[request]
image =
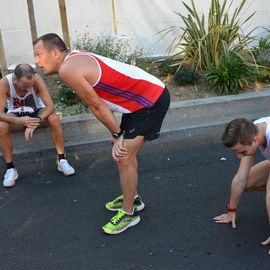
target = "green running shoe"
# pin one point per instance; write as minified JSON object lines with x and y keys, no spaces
{"x":117,"y":204}
{"x":120,"y":222}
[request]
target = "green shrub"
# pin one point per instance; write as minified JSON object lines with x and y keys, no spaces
{"x":186,"y":75}
{"x":203,"y":41}
{"x":71,"y":110}
{"x":263,"y":57}
{"x":264,"y":43}
{"x":67,"y":96}
{"x":167,"y":67}
{"x":114,"y":47}
{"x":263,"y":75}
{"x":230,"y":75}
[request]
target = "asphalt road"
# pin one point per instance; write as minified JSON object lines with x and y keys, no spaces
{"x":52,"y":222}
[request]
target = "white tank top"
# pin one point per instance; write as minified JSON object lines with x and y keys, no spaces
{"x":265,"y":150}
{"x":16,"y":104}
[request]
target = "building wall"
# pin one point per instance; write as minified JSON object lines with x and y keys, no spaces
{"x":140,"y":20}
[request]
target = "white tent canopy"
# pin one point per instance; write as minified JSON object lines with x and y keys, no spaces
{"x":139,"y":20}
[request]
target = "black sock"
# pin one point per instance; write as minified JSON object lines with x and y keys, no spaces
{"x":10,"y":165}
{"x":61,"y":156}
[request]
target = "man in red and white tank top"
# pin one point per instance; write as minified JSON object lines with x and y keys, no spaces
{"x":108,"y":86}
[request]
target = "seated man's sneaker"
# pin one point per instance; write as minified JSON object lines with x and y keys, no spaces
{"x":117,"y":204}
{"x":120,"y":222}
{"x":10,"y":177}
{"x":64,"y":167}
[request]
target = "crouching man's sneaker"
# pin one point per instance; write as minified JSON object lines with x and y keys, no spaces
{"x":10,"y":177}
{"x":120,"y":222}
{"x":64,"y":167}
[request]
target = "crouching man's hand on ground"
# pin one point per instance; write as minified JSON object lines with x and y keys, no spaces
{"x":266,"y":242}
{"x":229,"y":217}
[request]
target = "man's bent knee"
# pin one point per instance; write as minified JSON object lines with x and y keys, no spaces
{"x":53,"y":120}
{"x":124,"y":162}
{"x":4,"y":128}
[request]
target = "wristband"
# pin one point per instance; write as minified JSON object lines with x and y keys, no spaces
{"x":229,"y":209}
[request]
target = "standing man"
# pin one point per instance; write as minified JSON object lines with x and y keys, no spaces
{"x":244,"y":138}
{"x":29,"y":105}
{"x":106,"y":85}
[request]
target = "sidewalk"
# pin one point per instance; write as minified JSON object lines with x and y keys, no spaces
{"x":185,"y":122}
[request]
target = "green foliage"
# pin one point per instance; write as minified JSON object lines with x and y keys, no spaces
{"x":264,"y":43}
{"x":263,"y":75}
{"x":75,"y":109}
{"x":114,"y":47}
{"x":203,"y":44}
{"x":263,"y":57}
{"x":167,"y":67}
{"x":262,"y":52}
{"x":67,"y":96}
{"x":186,"y":75}
{"x":230,"y":75}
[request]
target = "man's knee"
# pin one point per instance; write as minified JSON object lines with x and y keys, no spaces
{"x":4,"y":128}
{"x":124,"y":162}
{"x":53,"y":120}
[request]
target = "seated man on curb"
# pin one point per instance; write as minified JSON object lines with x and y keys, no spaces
{"x":244,"y":138}
{"x":29,"y":105}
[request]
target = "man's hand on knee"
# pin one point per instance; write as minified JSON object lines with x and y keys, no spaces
{"x":118,"y":150}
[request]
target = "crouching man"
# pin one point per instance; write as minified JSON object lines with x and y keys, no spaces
{"x":244,"y":138}
{"x":25,"y":103}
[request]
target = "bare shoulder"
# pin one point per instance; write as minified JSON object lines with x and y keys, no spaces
{"x":4,"y":86}
{"x":79,"y":66}
{"x":67,"y":67}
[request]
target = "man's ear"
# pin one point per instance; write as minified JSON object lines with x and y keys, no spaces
{"x":56,"y":54}
{"x":255,"y":139}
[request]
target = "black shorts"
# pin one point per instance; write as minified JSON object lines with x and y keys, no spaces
{"x":147,"y":121}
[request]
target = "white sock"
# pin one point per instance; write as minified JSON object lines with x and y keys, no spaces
{"x":130,"y":213}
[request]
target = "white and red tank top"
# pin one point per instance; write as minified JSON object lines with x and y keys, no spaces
{"x":124,"y":88}
{"x":16,"y":104}
{"x":265,"y":150}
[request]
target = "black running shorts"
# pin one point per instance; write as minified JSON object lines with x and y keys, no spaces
{"x":147,"y":121}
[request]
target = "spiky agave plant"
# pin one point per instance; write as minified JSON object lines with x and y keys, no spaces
{"x":203,"y":43}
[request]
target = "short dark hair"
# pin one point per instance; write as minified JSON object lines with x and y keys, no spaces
{"x":24,"y":70}
{"x":240,"y":131}
{"x":52,"y":41}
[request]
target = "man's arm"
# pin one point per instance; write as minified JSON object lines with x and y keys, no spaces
{"x":80,"y":74}
{"x":239,"y":182}
{"x":238,"y":186}
{"x":43,"y":93}
{"x":4,"y":89}
{"x":76,"y":74}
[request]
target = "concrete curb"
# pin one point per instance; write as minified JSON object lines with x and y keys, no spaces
{"x":186,"y":121}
